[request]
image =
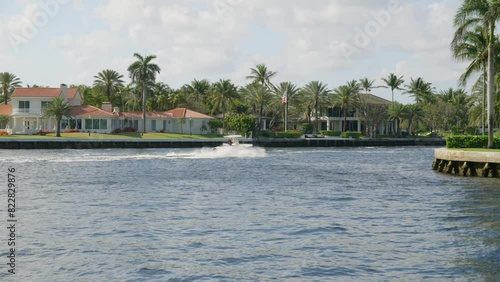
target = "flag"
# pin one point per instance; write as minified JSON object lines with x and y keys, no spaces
{"x":284,"y":100}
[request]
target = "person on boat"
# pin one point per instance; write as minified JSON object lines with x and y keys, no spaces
{"x":229,"y":142}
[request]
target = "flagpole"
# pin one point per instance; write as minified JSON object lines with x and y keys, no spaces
{"x":286,"y":116}
{"x":285,"y":102}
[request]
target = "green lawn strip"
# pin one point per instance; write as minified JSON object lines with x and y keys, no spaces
{"x":124,"y":136}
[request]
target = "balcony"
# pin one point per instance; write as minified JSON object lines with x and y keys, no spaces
{"x":27,"y":112}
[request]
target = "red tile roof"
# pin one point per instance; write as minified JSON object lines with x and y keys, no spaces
{"x":85,"y":111}
{"x":72,"y":93}
{"x":187,"y":113}
{"x":37,"y":92}
{"x":148,"y":115}
{"x":5,"y":109}
{"x":43,"y":92}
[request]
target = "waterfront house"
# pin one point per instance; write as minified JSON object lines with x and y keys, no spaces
{"x":27,"y":105}
{"x":332,"y":118}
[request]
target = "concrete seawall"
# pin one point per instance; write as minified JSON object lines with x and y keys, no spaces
{"x":466,"y":163}
{"x":199,"y":143}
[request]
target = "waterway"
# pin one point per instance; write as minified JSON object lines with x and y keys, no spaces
{"x":329,"y":214}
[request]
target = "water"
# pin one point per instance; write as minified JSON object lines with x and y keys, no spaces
{"x":358,"y":214}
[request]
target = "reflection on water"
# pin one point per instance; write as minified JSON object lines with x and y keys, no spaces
{"x":354,"y":214}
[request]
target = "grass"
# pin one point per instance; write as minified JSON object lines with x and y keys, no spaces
{"x":128,"y":135}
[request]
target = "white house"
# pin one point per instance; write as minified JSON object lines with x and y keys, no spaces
{"x":27,"y":105}
{"x":333,"y":118}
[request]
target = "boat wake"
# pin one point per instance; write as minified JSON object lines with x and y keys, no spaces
{"x":223,"y":152}
{"x":237,"y":151}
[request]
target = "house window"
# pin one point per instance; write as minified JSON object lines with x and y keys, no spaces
{"x":96,"y":124}
{"x":103,"y":124}
{"x":45,"y":104}
{"x":24,"y":106}
{"x":165,"y":125}
{"x":88,"y":124}
{"x":75,"y":123}
{"x":64,"y":124}
{"x":153,"y":125}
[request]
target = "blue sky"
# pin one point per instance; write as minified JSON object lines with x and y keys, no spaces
{"x":328,"y":40}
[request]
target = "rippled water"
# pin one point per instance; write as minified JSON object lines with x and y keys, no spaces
{"x":358,"y":214}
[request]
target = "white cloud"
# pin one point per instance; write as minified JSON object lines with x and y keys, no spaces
{"x":223,"y":38}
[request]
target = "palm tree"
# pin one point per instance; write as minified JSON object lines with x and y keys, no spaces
{"x":346,"y":97}
{"x":223,"y":92}
{"x":413,"y":113}
{"x":397,"y":113}
{"x":109,"y":81}
{"x":58,"y":109}
{"x":4,"y":120}
{"x":366,"y":84}
{"x":486,"y":13}
{"x":317,"y":92}
{"x":142,"y":72}
{"x":262,"y":75}
{"x":394,"y":83}
{"x":421,"y":90}
{"x":182,"y":121}
{"x":9,"y":82}
{"x":197,"y":92}
{"x":259,"y":96}
{"x":288,"y":90}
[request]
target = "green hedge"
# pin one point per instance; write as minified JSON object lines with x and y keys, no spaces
{"x":470,"y":141}
{"x":307,"y":128}
{"x":330,"y":133}
{"x":267,"y":133}
{"x":349,"y":134}
{"x":288,"y":134}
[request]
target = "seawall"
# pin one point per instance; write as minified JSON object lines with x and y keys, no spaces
{"x":55,"y":143}
{"x":467,"y":163}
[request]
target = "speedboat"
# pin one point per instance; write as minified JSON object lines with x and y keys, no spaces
{"x":234,"y":140}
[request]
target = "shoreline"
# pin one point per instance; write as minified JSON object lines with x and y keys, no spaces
{"x":53,"y":143}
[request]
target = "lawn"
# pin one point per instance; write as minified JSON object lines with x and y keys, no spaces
{"x":128,"y":135}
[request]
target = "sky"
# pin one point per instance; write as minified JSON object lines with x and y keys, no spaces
{"x":49,"y":42}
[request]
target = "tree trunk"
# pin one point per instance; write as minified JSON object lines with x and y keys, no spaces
{"x":316,"y":121}
{"x":345,"y":119}
{"x":144,"y":106}
{"x":485,"y":62}
{"x":223,"y":117}
{"x":58,"y":129}
{"x":261,"y":110}
{"x":491,"y":91}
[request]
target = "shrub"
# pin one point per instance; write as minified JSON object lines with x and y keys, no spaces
{"x":470,"y":141}
{"x":71,"y":131}
{"x":330,"y":133}
{"x":3,"y":133}
{"x":349,"y":134}
{"x":215,"y":124}
{"x":288,"y":134}
{"x":43,"y":132}
{"x":116,"y":131}
{"x":129,"y":129}
{"x":307,"y":128}
{"x":241,"y":124}
{"x":267,"y":133}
